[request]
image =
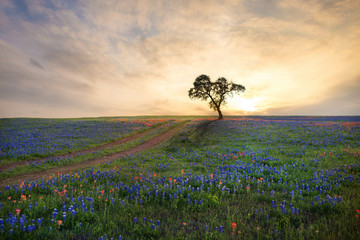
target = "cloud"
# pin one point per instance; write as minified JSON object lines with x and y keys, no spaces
{"x":26,"y":81}
{"x":35,"y":63}
{"x":340,"y":99}
{"x":129,"y":56}
{"x":78,"y":63}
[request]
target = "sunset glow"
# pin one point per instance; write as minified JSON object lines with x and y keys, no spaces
{"x":117,"y":58}
{"x":247,"y":105}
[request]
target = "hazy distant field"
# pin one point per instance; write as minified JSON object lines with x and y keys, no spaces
{"x":238,"y":178}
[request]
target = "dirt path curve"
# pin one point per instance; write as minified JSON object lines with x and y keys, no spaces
{"x":65,"y":169}
{"x":83,"y":151}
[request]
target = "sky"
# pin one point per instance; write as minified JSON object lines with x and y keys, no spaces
{"x":90,"y":58}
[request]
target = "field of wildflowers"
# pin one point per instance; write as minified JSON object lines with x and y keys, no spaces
{"x":33,"y":138}
{"x":239,"y":178}
{"x":160,"y":126}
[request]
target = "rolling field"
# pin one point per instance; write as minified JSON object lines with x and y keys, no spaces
{"x":238,"y":178}
{"x":32,"y":138}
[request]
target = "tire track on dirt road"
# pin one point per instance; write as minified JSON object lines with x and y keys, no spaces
{"x":65,"y":169}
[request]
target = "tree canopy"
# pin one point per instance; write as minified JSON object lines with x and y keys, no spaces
{"x":217,"y":91}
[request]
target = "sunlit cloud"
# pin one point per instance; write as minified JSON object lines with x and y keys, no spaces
{"x":94,"y":58}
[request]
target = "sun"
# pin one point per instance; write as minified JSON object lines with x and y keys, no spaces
{"x":247,"y":104}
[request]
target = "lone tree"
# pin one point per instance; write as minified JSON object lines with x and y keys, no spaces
{"x":217,"y":91}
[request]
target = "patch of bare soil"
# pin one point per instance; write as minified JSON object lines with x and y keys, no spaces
{"x":65,"y":169}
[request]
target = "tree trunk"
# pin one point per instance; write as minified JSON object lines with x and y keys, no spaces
{"x":220,"y":113}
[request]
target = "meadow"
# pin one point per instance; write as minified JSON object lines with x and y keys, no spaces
{"x":33,"y":138}
{"x":238,"y":178}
